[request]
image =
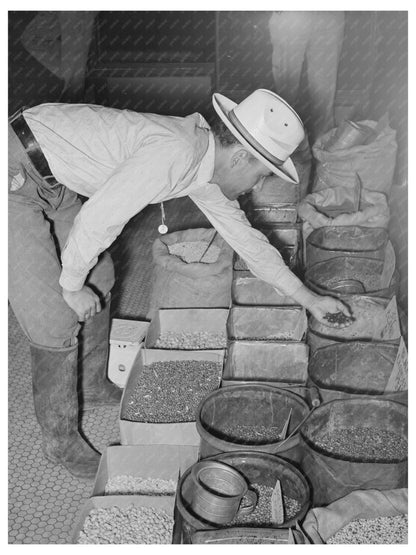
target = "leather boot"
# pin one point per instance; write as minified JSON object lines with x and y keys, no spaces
{"x":95,"y":389}
{"x":54,"y":377}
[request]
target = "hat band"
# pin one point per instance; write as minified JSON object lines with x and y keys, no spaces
{"x":253,"y":142}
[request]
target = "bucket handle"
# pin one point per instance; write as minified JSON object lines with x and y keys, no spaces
{"x":313,"y":391}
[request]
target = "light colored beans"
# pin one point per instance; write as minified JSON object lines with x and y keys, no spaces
{"x":132,"y":524}
{"x":191,"y":340}
{"x":191,"y":251}
{"x":380,"y":530}
{"x":124,"y":484}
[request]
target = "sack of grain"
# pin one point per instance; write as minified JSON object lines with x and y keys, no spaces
{"x":359,"y":509}
{"x":186,"y":277}
{"x":374,"y":162}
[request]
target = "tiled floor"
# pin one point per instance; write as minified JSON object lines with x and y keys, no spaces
{"x":44,"y":499}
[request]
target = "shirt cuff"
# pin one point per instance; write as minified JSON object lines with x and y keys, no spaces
{"x":71,"y":283}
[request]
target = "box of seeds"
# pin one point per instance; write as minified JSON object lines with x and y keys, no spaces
{"x":142,"y":469}
{"x":188,"y":329}
{"x":127,"y":519}
{"x":267,"y":323}
{"x":247,"y":289}
{"x":287,"y":240}
{"x":275,"y":363}
{"x":162,"y":394}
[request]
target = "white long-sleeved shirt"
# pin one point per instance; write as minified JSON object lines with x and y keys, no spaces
{"x":123,"y":161}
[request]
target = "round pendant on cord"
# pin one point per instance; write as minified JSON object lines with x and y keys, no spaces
{"x":163,"y":229}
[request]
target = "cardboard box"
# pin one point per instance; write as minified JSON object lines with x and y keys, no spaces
{"x":126,"y":339}
{"x":275,"y":189}
{"x":284,"y":363}
{"x":175,"y":433}
{"x":278,"y":323}
{"x":248,"y":290}
{"x":176,"y":320}
{"x":165,"y":462}
{"x":166,"y":502}
{"x":273,"y":213}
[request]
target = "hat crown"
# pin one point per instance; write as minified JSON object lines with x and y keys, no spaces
{"x":271,"y":121}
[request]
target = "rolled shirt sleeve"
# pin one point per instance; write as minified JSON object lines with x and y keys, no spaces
{"x":148,"y":177}
{"x":262,"y":259}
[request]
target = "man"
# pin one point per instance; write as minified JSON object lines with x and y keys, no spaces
{"x":60,"y":282}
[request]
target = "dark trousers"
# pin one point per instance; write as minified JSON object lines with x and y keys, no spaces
{"x":40,"y":219}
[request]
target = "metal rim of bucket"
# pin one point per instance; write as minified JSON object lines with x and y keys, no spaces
{"x":320,"y":232}
{"x":354,"y":400}
{"x":202,"y":430}
{"x":195,"y":523}
{"x":386,"y":292}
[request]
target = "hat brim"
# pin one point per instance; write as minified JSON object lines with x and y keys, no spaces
{"x":223,"y":106}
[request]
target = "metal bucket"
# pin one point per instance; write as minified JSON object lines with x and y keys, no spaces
{"x":229,"y":418}
{"x":332,"y":475}
{"x":345,"y":370}
{"x":256,"y":467}
{"x":345,"y":275}
{"x":217,"y":492}
{"x":325,"y":243}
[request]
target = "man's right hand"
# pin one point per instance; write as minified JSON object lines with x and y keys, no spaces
{"x":84,"y":302}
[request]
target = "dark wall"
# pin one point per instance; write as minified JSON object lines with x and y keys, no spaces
{"x":30,"y":83}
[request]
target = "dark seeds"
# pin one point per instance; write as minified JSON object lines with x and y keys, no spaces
{"x":170,"y":391}
{"x":338,"y":318}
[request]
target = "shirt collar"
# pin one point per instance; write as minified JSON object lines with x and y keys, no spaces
{"x":206,"y":167}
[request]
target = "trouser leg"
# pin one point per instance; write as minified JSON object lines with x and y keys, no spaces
{"x":322,"y":59}
{"x":93,"y":338}
{"x":289,"y":33}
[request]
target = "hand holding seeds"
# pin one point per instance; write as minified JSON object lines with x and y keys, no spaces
{"x":331,"y":312}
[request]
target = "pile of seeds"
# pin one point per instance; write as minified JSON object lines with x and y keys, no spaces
{"x":243,"y":433}
{"x":191,"y":340}
{"x":240,"y":264}
{"x":124,"y":484}
{"x":132,"y":524}
{"x":338,"y":318}
{"x":358,"y":443}
{"x":380,"y":530}
{"x":262,"y":514}
{"x":289,"y":336}
{"x":369,"y":319}
{"x":171,"y":390}
{"x":191,"y":251}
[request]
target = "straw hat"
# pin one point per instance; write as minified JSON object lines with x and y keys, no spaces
{"x":267,"y":126}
